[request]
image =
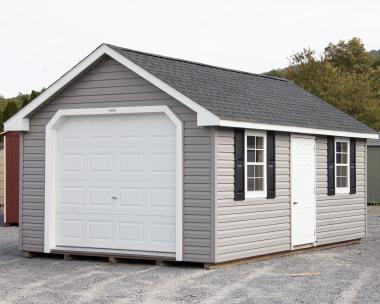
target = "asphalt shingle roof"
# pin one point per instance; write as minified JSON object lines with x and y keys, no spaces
{"x":242,"y":96}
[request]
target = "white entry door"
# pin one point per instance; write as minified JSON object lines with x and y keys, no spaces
{"x":303,"y":190}
{"x":116,"y":182}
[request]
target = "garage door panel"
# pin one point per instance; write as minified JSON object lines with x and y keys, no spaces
{"x":132,"y":126}
{"x":70,"y":230}
{"x":162,"y":127}
{"x":116,"y":182}
{"x":71,"y":163}
{"x":162,"y":163}
{"x":100,"y":162}
{"x":117,"y":178}
{"x":101,"y":128}
{"x":71,"y":195}
{"x":76,"y":129}
{"x":162,"y":143}
{"x":162,"y":198}
{"x":131,"y":196}
{"x":129,"y":164}
{"x":100,"y":196}
{"x":136,"y":197}
{"x":131,"y":232}
{"x":132,"y":163}
{"x":100,"y":230}
{"x":162,"y":234}
{"x":117,"y":232}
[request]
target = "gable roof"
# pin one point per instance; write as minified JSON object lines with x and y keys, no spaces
{"x":242,"y":96}
{"x":220,"y":96}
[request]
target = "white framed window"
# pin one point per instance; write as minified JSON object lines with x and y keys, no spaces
{"x":255,"y":164}
{"x":342,"y":165}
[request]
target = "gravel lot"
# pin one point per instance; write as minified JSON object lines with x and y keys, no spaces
{"x":347,"y":275}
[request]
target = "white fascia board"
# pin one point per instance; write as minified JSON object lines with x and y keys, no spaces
{"x":19,"y":122}
{"x":290,"y":129}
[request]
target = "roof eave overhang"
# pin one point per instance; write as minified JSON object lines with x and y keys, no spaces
{"x":292,"y":129}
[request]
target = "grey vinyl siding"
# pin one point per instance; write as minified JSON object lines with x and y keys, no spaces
{"x":340,"y":217}
{"x":373,"y":174}
{"x":260,"y":226}
{"x":253,"y":226}
{"x":109,"y":84}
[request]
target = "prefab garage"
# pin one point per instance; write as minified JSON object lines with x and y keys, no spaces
{"x":135,"y":154}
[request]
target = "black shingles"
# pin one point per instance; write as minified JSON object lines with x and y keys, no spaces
{"x":241,"y":96}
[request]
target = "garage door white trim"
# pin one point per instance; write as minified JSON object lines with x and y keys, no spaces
{"x":51,"y":167}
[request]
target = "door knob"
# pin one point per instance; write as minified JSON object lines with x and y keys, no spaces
{"x":295,"y":203}
{"x":114,"y":197}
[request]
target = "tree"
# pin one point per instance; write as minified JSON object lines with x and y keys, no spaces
{"x":7,"y":111}
{"x":24,"y":98}
{"x":28,"y":98}
{"x":9,"y":106}
{"x":10,"y":109}
{"x":345,"y":75}
{"x":349,"y":56}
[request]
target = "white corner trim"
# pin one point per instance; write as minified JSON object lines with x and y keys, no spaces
{"x":19,"y":122}
{"x":290,"y":129}
{"x":51,"y":170}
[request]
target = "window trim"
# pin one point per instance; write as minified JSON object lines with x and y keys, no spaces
{"x":255,"y":194}
{"x":342,"y":190}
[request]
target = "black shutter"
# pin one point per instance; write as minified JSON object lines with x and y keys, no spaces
{"x":271,"y":165}
{"x":239,"y":165}
{"x":352,"y":165}
{"x":330,"y":165}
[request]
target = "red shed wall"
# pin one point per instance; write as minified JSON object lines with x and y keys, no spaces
{"x":12,"y":169}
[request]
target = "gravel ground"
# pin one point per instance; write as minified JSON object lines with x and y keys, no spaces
{"x":346,"y":275}
{"x":373,"y":210}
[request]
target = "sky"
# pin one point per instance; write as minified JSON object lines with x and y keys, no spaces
{"x":40,"y":40}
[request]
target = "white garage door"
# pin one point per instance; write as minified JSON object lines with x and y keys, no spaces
{"x":116,"y":182}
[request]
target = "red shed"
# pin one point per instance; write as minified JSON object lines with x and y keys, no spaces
{"x":11,"y":178}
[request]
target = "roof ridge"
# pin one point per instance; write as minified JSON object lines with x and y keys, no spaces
{"x":197,"y":63}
